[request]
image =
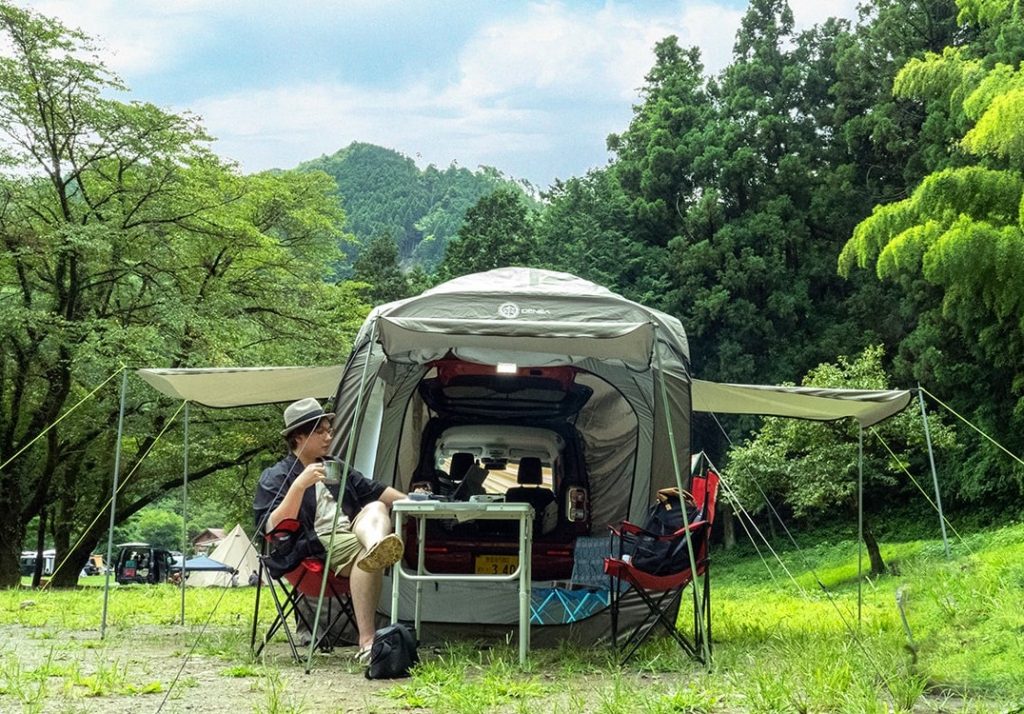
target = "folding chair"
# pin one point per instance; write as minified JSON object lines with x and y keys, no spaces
{"x":663,"y":593}
{"x":291,"y":590}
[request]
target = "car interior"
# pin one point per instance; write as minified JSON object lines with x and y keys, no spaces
{"x":503,"y":437}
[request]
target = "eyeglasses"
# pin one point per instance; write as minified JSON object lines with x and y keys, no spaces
{"x":324,"y":429}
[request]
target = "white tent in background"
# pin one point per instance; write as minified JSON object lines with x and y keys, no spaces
{"x":236,"y":551}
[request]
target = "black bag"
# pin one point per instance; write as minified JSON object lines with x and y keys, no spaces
{"x":288,"y":545}
{"x":665,"y":517}
{"x":393,"y":653}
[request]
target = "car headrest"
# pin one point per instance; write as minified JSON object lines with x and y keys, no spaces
{"x":461,"y":462}
{"x":529,"y":471}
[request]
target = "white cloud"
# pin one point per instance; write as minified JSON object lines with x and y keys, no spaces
{"x":807,"y":13}
{"x":531,"y":93}
{"x":523,"y":89}
{"x":146,"y":37}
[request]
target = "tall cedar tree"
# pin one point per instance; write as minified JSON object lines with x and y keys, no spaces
{"x":498,"y":232}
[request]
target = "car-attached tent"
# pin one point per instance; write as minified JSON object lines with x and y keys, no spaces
{"x":532,"y":318}
{"x":635,"y":427}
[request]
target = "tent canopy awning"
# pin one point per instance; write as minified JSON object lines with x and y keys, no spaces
{"x":247,"y":386}
{"x":244,"y":386}
{"x":866,"y":406}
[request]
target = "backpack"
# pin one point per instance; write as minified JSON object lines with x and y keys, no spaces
{"x":393,"y":653}
{"x":665,"y":517}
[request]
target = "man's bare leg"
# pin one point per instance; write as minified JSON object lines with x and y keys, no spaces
{"x":365,"y":589}
{"x":372,"y":528}
{"x":372,"y":524}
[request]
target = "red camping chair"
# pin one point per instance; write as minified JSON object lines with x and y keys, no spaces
{"x":663,"y":593}
{"x":302,"y":583}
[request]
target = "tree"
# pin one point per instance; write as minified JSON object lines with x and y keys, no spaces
{"x":812,"y":468}
{"x":124,"y":241}
{"x":962,"y":231}
{"x":377,"y":266}
{"x":384,"y":193}
{"x":498,"y":232}
{"x":586,"y":230}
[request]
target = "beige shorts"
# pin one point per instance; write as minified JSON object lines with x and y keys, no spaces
{"x":346,"y":547}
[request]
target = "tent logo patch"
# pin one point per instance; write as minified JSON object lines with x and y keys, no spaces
{"x":508,"y":310}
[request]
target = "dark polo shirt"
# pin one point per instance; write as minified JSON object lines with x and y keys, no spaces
{"x":274,"y":484}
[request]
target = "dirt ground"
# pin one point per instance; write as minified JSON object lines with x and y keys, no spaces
{"x":78,"y":672}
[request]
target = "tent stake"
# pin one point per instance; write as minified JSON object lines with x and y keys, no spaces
{"x":935,"y":477}
{"x":113,"y":503}
{"x":184,"y":517}
{"x":860,"y":515}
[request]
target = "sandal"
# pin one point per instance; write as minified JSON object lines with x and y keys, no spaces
{"x":385,"y":552}
{"x":363,"y":656}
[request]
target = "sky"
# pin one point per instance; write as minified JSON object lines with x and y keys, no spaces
{"x":530,"y":88}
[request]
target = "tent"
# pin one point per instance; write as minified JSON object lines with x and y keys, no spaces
{"x":636,"y":425}
{"x":237,"y":553}
{"x":206,"y":564}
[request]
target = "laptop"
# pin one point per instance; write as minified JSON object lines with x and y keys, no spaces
{"x":472,"y":484}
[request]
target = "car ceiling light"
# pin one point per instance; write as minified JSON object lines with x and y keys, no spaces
{"x":507,"y":368}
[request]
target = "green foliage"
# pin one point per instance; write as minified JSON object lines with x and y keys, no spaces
{"x":812,"y":468}
{"x":962,"y":230}
{"x":377,"y":266}
{"x":385,"y":194}
{"x":125,"y":241}
{"x":156,"y":526}
{"x":498,"y":232}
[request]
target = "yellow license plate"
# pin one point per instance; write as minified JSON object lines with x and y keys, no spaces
{"x":496,"y":564}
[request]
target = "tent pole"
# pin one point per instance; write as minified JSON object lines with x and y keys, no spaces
{"x":935,"y":477}
{"x":184,"y":517}
{"x":113,"y":503}
{"x":860,"y":516}
{"x":698,"y":609}
{"x":346,"y":467}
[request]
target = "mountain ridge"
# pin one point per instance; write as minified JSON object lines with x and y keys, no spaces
{"x":384,"y":192}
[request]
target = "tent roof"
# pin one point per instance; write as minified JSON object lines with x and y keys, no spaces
{"x":244,"y":386}
{"x":866,"y":406}
{"x":523,"y":315}
{"x":205,"y":563}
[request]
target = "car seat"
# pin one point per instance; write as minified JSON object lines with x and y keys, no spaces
{"x":530,"y":490}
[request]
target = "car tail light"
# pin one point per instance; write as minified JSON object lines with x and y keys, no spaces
{"x":577,"y":505}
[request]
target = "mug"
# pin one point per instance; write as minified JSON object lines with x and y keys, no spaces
{"x":332,"y":472}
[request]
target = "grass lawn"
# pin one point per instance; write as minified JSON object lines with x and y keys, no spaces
{"x":780,"y":644}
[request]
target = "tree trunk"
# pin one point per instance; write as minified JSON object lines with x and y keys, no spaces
{"x":66,"y":576}
{"x":874,"y":554}
{"x":11,"y":532}
{"x":37,"y":572}
{"x":728,"y":526}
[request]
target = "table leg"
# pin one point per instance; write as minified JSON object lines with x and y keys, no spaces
{"x":525,"y":578}
{"x":421,"y":527}
{"x":396,"y":574}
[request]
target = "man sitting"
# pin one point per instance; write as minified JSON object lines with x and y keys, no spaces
{"x":363,"y":544}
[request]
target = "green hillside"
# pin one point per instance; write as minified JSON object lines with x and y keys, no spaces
{"x":384,"y":193}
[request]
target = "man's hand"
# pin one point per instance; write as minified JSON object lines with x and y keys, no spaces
{"x":312,"y":474}
{"x":292,"y":502}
